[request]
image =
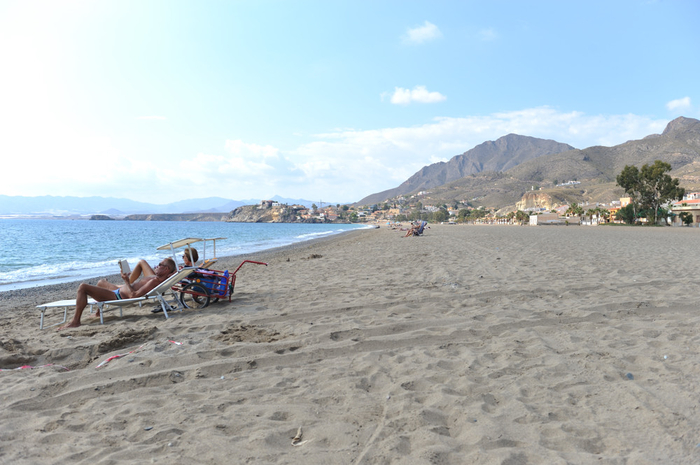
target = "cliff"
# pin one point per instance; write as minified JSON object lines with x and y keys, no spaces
{"x":263,"y":214}
{"x":535,"y":199}
{"x":268,"y":213}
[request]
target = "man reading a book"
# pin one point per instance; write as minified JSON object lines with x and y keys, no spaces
{"x":105,"y":291}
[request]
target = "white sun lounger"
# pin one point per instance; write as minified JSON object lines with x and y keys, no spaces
{"x":157,"y":293}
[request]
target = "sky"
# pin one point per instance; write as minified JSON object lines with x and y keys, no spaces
{"x":331,"y":101}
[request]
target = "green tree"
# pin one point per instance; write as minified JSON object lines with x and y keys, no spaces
{"x":650,"y":187}
{"x":626,"y":214}
{"x":602,"y":214}
{"x":686,"y":217}
{"x":590,"y":213}
{"x":522,"y":216}
{"x":476,"y":214}
{"x":440,"y":216}
{"x":314,"y":208}
{"x":353,"y":217}
{"x":575,"y":210}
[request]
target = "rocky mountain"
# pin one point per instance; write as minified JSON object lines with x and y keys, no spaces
{"x":594,"y":168}
{"x":678,"y":145}
{"x":500,"y":155}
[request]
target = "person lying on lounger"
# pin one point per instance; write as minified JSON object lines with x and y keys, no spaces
{"x":105,"y":291}
{"x":143,"y":268}
{"x":416,"y":229}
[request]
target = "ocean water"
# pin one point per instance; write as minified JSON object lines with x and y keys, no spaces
{"x":41,"y":252}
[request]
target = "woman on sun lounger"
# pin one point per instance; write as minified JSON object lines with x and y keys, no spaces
{"x":142,"y":267}
{"x":106,"y":291}
{"x":416,"y":229}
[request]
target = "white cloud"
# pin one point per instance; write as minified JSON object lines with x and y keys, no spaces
{"x":488,"y":35}
{"x":679,"y":104}
{"x":340,"y":166}
{"x":240,"y":148}
{"x":244,"y":164}
{"x":418,"y":35}
{"x":419,"y":94}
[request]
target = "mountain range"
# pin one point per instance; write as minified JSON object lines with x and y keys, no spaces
{"x":48,"y":205}
{"x":494,"y":174}
{"x":497,"y":174}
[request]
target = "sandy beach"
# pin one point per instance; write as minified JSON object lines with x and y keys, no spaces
{"x":472,"y":344}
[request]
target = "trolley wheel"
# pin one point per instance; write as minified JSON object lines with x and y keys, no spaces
{"x":194,"y":295}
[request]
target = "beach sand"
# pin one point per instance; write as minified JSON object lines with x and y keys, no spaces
{"x":471,"y":344}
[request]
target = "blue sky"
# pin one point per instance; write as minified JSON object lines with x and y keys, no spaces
{"x":161,"y":101}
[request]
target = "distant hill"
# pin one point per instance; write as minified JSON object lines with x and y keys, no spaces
{"x":596,"y":168}
{"x":500,"y":155}
{"x":49,"y":205}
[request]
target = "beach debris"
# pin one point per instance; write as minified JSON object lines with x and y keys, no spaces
{"x":148,"y":428}
{"x":104,"y":362}
{"x":314,"y":255}
{"x":665,"y":357}
{"x":629,"y":376}
{"x":29,"y":367}
{"x":296,"y":440}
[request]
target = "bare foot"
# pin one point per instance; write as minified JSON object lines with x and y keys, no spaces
{"x":69,"y":325}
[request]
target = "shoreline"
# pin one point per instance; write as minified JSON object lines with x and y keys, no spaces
{"x":23,"y":291}
{"x":64,"y":290}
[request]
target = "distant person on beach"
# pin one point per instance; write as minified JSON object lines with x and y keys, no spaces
{"x":416,"y":229}
{"x":143,"y":268}
{"x":105,"y":291}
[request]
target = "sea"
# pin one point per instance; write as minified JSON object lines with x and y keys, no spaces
{"x":39,"y":252}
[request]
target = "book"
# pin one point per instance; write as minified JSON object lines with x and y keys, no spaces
{"x":124,"y":266}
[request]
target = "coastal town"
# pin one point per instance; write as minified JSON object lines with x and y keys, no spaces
{"x":534,"y":209}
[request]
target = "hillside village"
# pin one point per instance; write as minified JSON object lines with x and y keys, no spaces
{"x":535,"y":208}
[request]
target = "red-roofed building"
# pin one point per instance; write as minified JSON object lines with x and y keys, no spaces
{"x":690,"y":204}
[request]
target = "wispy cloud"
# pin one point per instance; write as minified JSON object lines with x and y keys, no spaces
{"x":488,"y":35}
{"x":418,"y":35}
{"x":254,"y":151}
{"x":679,"y":104}
{"x":345,"y":164}
{"x":152,"y":117}
{"x":419,"y":94}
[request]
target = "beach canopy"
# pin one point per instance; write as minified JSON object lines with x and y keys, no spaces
{"x":189,"y":241}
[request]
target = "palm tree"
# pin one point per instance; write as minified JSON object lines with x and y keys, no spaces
{"x":590,"y":213}
{"x":575,"y":210}
{"x":522,"y":217}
